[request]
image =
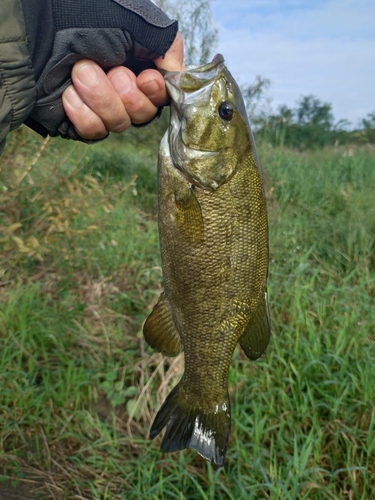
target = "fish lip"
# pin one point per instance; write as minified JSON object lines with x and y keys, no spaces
{"x":183,"y":154}
{"x":196,"y":152}
{"x":201,"y":75}
{"x":199,"y":153}
{"x":217,"y":61}
{"x":194,"y":77}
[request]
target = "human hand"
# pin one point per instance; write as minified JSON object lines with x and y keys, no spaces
{"x":118,"y":39}
{"x":97,"y":103}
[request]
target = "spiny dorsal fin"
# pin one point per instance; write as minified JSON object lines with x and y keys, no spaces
{"x":254,"y":340}
{"x":160,"y":330}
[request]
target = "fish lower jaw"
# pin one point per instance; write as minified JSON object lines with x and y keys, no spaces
{"x":196,"y":154}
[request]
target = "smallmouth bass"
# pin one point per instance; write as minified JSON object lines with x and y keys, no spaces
{"x":214,"y":246}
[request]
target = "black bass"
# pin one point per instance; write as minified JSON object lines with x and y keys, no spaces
{"x":214,"y":247}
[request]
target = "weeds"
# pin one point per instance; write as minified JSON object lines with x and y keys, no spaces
{"x":80,"y":271}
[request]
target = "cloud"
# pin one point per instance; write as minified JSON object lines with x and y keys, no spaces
{"x":325,"y":48}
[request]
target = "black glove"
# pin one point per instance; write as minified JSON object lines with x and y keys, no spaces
{"x":110,"y":32}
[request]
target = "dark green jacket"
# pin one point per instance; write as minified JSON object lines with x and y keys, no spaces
{"x":17,"y":84}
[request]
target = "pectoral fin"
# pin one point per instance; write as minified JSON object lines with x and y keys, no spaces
{"x":160,"y":330}
{"x":254,"y":340}
{"x":188,"y":215}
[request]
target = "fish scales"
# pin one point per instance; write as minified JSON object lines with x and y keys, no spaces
{"x":214,"y":248}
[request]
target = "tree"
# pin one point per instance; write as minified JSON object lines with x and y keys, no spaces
{"x":368,"y":125}
{"x":273,"y":127}
{"x":312,"y":112}
{"x":256,"y":101}
{"x":309,"y":125}
{"x":196,"y":26}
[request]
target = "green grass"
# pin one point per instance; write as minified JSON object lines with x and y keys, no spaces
{"x":79,"y":387}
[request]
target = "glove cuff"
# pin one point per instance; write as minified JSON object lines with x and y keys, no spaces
{"x":38,"y":19}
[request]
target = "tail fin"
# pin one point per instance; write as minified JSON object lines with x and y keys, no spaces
{"x":205,"y":430}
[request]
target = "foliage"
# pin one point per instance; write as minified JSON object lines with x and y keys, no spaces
{"x":255,"y":97}
{"x":79,"y":387}
{"x":196,"y":26}
{"x":307,"y":125}
{"x":310,"y":125}
{"x":368,"y":125}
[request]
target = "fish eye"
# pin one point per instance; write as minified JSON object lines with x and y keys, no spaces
{"x":226,"y":110}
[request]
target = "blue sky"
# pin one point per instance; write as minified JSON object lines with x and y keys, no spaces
{"x":320,"y":47}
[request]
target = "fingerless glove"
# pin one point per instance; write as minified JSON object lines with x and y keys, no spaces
{"x":109,"y":32}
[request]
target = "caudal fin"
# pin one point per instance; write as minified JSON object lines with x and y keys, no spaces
{"x":204,"y":429}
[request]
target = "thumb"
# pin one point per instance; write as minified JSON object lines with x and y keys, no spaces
{"x":173,"y":60}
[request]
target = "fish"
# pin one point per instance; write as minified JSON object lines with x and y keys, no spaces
{"x":213,"y":233}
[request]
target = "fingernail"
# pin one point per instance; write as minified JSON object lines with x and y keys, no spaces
{"x":72,"y":98}
{"x":121,"y":82}
{"x":87,"y":75}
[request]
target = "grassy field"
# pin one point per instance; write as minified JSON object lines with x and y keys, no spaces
{"x":80,"y":271}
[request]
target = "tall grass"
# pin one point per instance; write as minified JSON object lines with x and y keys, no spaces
{"x":79,"y":272}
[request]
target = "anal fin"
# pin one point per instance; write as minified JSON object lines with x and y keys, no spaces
{"x":160,"y":331}
{"x":255,"y":339}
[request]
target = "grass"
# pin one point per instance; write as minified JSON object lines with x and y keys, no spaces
{"x":79,"y":272}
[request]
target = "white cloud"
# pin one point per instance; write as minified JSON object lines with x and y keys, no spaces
{"x":324,"y":48}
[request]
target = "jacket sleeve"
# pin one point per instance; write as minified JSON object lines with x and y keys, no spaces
{"x":17,"y":84}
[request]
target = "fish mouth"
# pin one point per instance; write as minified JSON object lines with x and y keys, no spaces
{"x":182,"y":155}
{"x":193,"y":78}
{"x":190,"y":87}
{"x":194,"y":153}
{"x":196,"y":77}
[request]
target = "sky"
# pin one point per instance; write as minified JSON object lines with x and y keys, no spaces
{"x":321,"y":47}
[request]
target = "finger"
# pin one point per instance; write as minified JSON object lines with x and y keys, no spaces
{"x":173,"y":59}
{"x":151,"y":83}
{"x":98,"y":93}
{"x":138,"y":106}
{"x":87,"y":123}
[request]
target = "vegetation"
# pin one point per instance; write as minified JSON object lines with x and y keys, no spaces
{"x":196,"y":26}
{"x":309,"y":125}
{"x":80,"y":271}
